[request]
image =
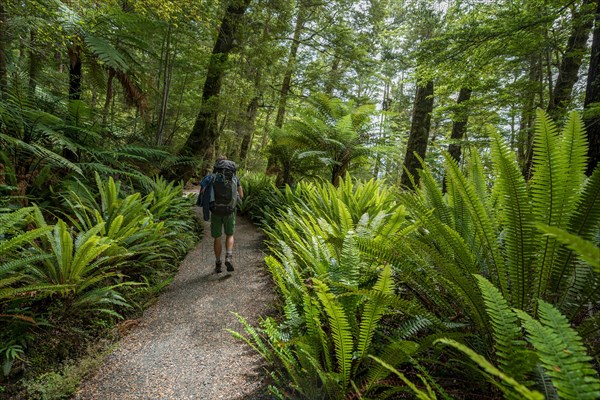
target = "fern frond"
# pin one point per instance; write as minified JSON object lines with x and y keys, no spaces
{"x":492,"y":370}
{"x":511,"y":351}
{"x":374,"y":309}
{"x":340,"y":331}
{"x":486,"y":231}
{"x":548,"y":193}
{"x":583,"y":248}
{"x":420,"y":394}
{"x":517,"y":221}
{"x":562,"y":353}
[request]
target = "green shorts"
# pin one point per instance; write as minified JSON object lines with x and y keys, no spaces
{"x":217,"y":222}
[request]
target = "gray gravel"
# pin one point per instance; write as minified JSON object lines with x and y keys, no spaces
{"x":180,"y":349}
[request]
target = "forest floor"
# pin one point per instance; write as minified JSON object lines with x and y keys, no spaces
{"x":179,"y":348}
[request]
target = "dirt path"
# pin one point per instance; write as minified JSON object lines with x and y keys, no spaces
{"x":180,"y":349}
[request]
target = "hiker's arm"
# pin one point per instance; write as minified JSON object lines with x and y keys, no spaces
{"x":240,"y":192}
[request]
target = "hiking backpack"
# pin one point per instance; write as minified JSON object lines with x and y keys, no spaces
{"x":224,"y":187}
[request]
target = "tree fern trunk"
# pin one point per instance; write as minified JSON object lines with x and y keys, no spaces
{"x":592,"y":96}
{"x":419,"y":133}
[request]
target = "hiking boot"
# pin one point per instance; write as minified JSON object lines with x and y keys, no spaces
{"x":218,"y":267}
{"x":228,"y":264}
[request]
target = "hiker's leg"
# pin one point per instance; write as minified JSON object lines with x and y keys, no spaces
{"x":229,"y":244}
{"x":229,"y":225}
{"x":216,"y":230}
{"x":218,"y":248}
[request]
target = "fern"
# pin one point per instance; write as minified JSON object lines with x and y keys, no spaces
{"x":518,"y":225}
{"x":484,"y":227}
{"x":583,"y":248}
{"x":374,"y":309}
{"x":511,"y":351}
{"x":340,"y":331}
{"x":492,"y":370}
{"x":562,"y":353}
{"x":420,"y":394}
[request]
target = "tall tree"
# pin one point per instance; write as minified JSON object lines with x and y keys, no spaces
{"x":289,"y":70}
{"x":3,"y":49}
{"x":206,"y":130}
{"x":459,"y":125}
{"x":569,"y":66}
{"x":419,"y":133}
{"x":592,"y":98}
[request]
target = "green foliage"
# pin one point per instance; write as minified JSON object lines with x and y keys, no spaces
{"x":562,"y":353}
{"x":327,"y":132}
{"x":492,"y":370}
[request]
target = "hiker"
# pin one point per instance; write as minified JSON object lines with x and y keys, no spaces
{"x":220,"y":191}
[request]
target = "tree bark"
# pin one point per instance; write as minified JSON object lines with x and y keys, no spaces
{"x":3,"y":51}
{"x":286,"y":84}
{"x":166,"y":87}
{"x":419,"y":134}
{"x":34,"y":63}
{"x":459,"y":125}
{"x":109,"y":95}
{"x":248,"y":127}
{"x":289,"y":70}
{"x":526,"y":130}
{"x":592,"y":97}
{"x":569,"y":66}
{"x":205,"y":131}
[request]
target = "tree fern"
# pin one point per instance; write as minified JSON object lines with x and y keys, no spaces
{"x":562,"y":353}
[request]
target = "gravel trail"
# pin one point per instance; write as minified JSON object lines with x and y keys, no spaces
{"x":180,"y":349}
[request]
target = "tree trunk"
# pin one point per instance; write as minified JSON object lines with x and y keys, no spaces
{"x":592,"y":97}
{"x":459,"y":124}
{"x":34,"y":63}
{"x":248,"y":128}
{"x":205,"y":131}
{"x":272,"y":167}
{"x":109,"y":95}
{"x":289,"y":70}
{"x":3,"y":51}
{"x":569,"y":66}
{"x":458,"y":127}
{"x":74,"y":72}
{"x":166,"y":87}
{"x":526,"y":129}
{"x":334,"y":75}
{"x":419,"y":134}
